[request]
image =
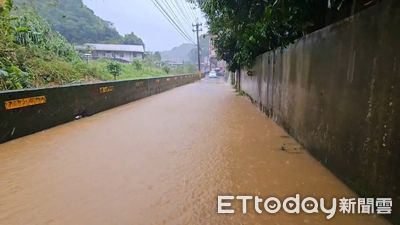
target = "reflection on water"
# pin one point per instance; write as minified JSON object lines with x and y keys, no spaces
{"x":162,"y":160}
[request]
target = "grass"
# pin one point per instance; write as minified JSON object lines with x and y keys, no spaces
{"x":129,"y":71}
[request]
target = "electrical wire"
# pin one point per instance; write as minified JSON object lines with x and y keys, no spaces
{"x":171,"y":20}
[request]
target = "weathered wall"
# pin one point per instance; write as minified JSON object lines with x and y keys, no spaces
{"x":64,"y":104}
{"x":337,"y":91}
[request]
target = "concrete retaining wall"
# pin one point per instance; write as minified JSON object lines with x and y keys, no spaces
{"x":337,"y":91}
{"x":28,"y":111}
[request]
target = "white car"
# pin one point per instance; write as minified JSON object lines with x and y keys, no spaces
{"x":212,"y":74}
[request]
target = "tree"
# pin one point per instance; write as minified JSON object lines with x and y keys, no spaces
{"x":243,"y":29}
{"x":29,"y":49}
{"x":157,"y":56}
{"x":137,"y":64}
{"x":114,"y":68}
{"x":152,"y":59}
{"x":166,"y":69}
{"x":131,"y":39}
{"x":73,"y":19}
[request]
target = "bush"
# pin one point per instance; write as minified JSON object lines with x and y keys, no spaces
{"x":52,"y":72}
{"x":32,"y":55}
{"x":14,"y":78}
{"x":137,"y":64}
{"x":114,"y":68}
{"x":166,"y":69}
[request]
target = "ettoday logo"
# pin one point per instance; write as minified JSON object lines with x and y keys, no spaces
{"x":308,"y":205}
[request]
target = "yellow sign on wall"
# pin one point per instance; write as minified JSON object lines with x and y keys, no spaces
{"x":106,"y":89}
{"x":24,"y":102}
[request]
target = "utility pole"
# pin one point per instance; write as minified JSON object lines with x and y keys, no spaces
{"x":197,"y":29}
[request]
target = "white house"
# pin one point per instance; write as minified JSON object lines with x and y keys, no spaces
{"x":124,"y":53}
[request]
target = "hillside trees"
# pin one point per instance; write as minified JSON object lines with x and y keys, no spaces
{"x":131,"y":39}
{"x":72,"y":19}
{"x":32,"y":55}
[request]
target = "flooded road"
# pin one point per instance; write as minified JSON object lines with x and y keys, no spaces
{"x":162,"y":160}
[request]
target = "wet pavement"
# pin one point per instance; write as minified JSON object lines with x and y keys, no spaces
{"x":163,"y":160}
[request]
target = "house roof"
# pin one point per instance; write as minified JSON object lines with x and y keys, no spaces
{"x":119,"y":48}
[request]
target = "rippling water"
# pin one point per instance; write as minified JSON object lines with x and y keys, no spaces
{"x":162,"y":160}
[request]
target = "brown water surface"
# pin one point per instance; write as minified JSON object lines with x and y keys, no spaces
{"x":162,"y":160}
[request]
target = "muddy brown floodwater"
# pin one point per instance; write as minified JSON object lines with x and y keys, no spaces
{"x":162,"y":160}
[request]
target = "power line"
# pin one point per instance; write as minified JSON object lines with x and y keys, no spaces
{"x":183,"y":10}
{"x":171,"y":20}
{"x":172,"y":17}
{"x":168,"y":19}
{"x":191,"y":10}
{"x":186,"y":8}
{"x":175,"y":19}
{"x":172,"y":9}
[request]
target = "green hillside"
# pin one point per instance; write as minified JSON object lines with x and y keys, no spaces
{"x":32,"y":55}
{"x":75,"y":21}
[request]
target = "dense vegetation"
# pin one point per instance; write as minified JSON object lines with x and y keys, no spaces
{"x":76,"y":22}
{"x":127,"y":39}
{"x":137,"y":70}
{"x":243,"y":29}
{"x":33,"y":55}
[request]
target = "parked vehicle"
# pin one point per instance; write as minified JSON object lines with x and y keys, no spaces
{"x":212,"y":74}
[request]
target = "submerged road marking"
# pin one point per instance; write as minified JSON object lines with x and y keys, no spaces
{"x":24,"y":102}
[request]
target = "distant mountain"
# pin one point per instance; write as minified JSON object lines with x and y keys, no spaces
{"x":178,"y":54}
{"x":75,"y":21}
{"x":188,"y":52}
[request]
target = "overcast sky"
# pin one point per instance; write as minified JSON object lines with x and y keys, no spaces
{"x":142,"y":18}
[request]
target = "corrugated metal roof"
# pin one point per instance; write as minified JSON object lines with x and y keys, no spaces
{"x":120,"y":48}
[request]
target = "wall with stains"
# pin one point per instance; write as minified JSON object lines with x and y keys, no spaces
{"x":337,"y":91}
{"x":27,"y":111}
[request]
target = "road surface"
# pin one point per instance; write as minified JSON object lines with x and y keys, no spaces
{"x":163,"y":160}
